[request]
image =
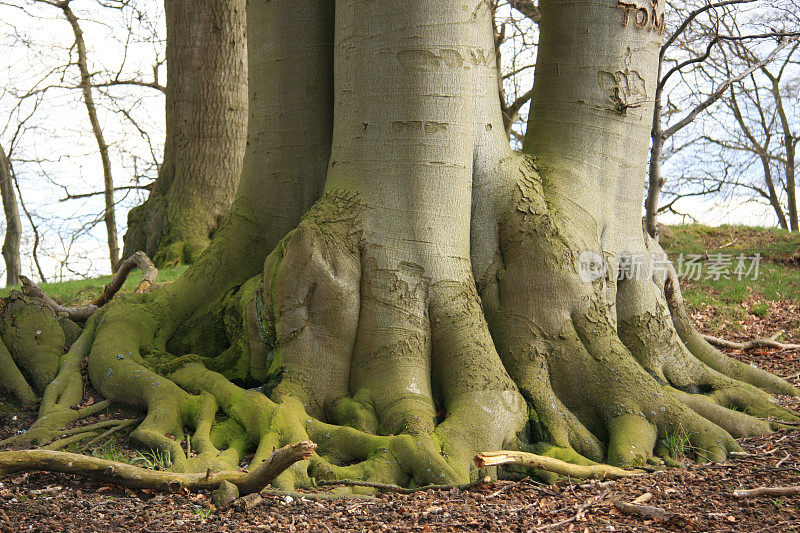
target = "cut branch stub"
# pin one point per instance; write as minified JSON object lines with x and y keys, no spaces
{"x":135,"y":477}
{"x":549,"y":464}
{"x":81,"y":314}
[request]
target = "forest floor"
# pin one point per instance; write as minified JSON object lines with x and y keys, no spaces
{"x":692,"y":498}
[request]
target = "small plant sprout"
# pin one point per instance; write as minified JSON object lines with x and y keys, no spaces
{"x":676,"y":441}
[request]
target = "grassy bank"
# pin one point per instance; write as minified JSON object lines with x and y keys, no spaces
{"x":723,"y":304}
{"x":733,"y":302}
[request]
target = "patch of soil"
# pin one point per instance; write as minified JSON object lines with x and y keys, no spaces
{"x":693,"y":498}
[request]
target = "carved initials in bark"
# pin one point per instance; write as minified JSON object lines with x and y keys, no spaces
{"x":642,"y":16}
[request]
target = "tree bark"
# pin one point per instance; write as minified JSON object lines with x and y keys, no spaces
{"x":431,"y":305}
{"x":13,"y":223}
{"x":206,"y":114}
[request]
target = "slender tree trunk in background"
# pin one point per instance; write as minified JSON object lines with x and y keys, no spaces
{"x":774,"y":201}
{"x":13,"y":223}
{"x":790,"y":148}
{"x":88,"y":100}
{"x":763,"y":155}
{"x":655,"y":181}
{"x":206,"y":121}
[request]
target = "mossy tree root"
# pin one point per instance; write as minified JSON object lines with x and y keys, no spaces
{"x":134,"y":477}
{"x":601,"y":348}
{"x":702,"y":349}
{"x":12,"y":381}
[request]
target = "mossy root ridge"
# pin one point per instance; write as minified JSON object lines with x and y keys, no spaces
{"x":411,"y":388}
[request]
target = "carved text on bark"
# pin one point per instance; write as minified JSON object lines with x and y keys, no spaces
{"x":646,"y":17}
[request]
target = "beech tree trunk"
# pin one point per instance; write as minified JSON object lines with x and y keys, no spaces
{"x":13,"y":223}
{"x":444,"y":296}
{"x":206,"y":114}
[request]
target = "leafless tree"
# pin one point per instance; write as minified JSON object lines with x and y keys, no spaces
{"x":694,"y":41}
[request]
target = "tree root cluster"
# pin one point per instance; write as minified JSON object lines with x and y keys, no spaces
{"x":422,"y":380}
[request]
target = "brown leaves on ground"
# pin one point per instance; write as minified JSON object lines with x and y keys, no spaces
{"x":697,"y":498}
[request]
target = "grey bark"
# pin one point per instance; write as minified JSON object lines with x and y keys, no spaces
{"x":206,"y":121}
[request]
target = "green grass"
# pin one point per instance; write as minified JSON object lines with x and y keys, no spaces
{"x":725,"y":302}
{"x":112,"y":451}
{"x":677,"y":443}
{"x":155,"y":459}
{"x":733,"y":299}
{"x":83,"y":291}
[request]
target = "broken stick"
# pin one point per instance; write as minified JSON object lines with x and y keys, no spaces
{"x":767,"y":491}
{"x":139,"y":478}
{"x":541,"y":462}
{"x":81,"y":314}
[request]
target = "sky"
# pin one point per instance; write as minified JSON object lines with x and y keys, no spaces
{"x":48,"y":133}
{"x":55,"y":154}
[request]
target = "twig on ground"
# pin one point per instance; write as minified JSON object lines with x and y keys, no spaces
{"x":579,"y":514}
{"x":751,"y":344}
{"x":134,"y":477}
{"x":81,"y":314}
{"x":767,"y":491}
{"x":541,"y":462}
{"x":648,"y":511}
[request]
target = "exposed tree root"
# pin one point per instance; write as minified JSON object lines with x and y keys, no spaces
{"x":549,"y":464}
{"x":48,"y":427}
{"x":751,"y":344}
{"x":707,"y":353}
{"x":13,"y":381}
{"x":81,"y":314}
{"x":767,"y":491}
{"x":89,"y":431}
{"x":135,"y":477}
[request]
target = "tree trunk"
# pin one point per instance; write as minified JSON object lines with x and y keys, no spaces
{"x":445,"y":296}
{"x":790,"y":147}
{"x":206,"y":114}
{"x":88,"y":100}
{"x":13,"y":223}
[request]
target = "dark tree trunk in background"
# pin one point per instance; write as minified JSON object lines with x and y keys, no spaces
{"x":88,"y":100}
{"x":13,"y":224}
{"x":206,"y":120}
